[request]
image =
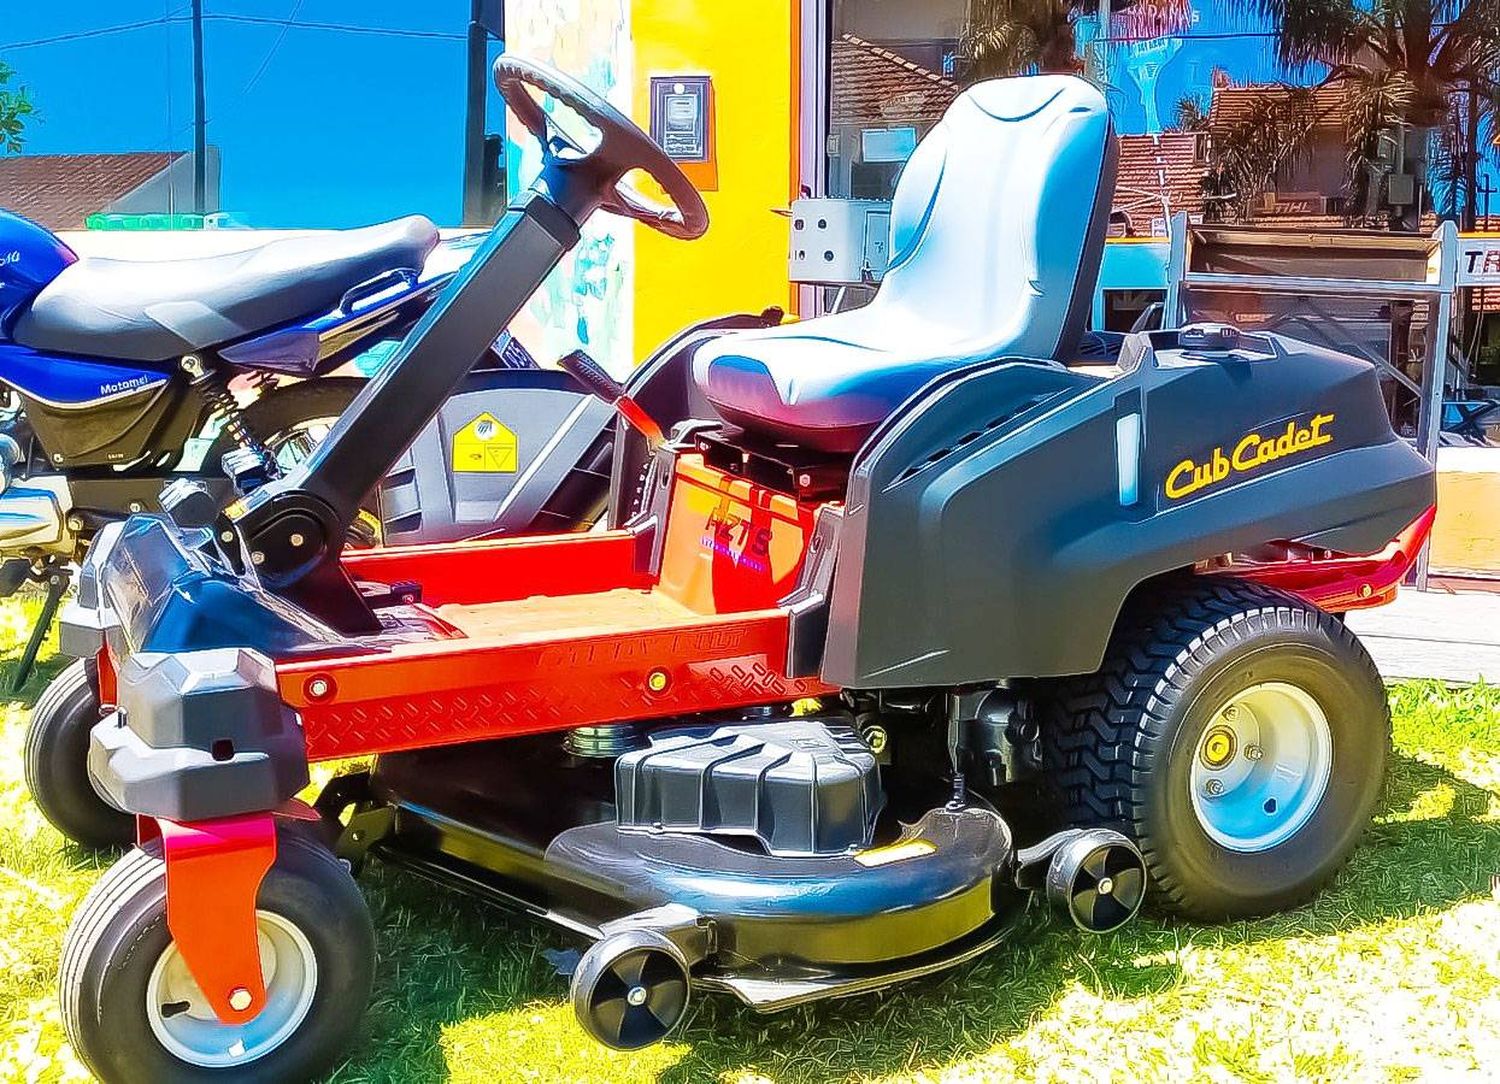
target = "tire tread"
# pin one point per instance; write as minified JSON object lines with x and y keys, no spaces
{"x":1101,"y":730}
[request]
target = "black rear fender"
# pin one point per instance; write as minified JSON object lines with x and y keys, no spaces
{"x":996,"y":524}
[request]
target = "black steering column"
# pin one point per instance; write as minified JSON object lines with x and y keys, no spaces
{"x":292,"y":528}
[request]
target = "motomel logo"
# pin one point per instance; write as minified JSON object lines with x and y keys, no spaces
{"x":124,"y":385}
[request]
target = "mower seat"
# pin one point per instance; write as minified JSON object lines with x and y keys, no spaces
{"x":997,"y":232}
{"x":158,"y":310}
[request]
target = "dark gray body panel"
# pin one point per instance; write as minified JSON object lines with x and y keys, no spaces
{"x":556,"y":425}
{"x":973,"y":551}
{"x":575,"y":460}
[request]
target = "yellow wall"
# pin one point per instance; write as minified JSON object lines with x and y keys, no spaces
{"x":1466,"y":536}
{"x":747,"y":47}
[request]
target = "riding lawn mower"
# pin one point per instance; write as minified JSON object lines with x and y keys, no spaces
{"x":757,"y":735}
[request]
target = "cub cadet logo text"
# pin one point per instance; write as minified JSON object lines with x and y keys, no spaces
{"x":1251,"y":452}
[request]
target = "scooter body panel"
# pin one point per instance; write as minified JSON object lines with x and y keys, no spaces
{"x":68,"y":382}
{"x":30,"y":257}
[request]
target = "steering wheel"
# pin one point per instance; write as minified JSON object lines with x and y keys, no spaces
{"x":593,"y":179}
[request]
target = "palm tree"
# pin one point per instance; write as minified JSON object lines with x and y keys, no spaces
{"x":1246,"y":157}
{"x":1190,"y":116}
{"x":1012,"y":37}
{"x":1007,"y":37}
{"x":1403,"y":65}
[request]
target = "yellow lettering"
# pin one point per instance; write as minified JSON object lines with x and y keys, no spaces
{"x":1240,"y":450}
{"x":1174,"y":488}
{"x":1252,"y":451}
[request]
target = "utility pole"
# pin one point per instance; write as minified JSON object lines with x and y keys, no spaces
{"x":1471,"y":162}
{"x":200,"y":116}
{"x":1097,"y":64}
{"x":486,"y":20}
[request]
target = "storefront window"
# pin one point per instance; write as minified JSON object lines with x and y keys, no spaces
{"x":894,"y":69}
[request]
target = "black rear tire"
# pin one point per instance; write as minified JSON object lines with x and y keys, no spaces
{"x":1120,"y":744}
{"x":120,"y":933}
{"x":55,"y":763}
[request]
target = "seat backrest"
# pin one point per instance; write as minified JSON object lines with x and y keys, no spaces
{"x":998,"y":223}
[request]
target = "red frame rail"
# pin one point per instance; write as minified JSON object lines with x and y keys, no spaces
{"x":1339,"y":584}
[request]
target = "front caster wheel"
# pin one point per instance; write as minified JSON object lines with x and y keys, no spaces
{"x":1097,"y":879}
{"x":55,"y":762}
{"x":631,"y":989}
{"x":1238,"y":735}
{"x":133,"y":1012}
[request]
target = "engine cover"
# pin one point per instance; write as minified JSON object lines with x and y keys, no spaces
{"x":802,"y":787}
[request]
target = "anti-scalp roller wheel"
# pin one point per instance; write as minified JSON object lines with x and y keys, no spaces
{"x":631,"y":989}
{"x":1098,"y":879}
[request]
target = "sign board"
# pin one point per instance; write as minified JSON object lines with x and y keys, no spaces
{"x":485,"y":446}
{"x":682,"y":117}
{"x":1479,"y":261}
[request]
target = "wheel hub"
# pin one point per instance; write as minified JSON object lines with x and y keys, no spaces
{"x":1218,"y":747}
{"x":1261,"y":767}
{"x":185,"y":1024}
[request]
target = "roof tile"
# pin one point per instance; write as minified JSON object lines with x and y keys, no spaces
{"x":60,"y":190}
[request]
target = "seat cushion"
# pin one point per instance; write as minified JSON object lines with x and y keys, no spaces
{"x":997,"y":232}
{"x":162,"y":309}
{"x":819,"y":384}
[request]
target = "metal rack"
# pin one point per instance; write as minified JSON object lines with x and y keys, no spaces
{"x":1210,"y":262}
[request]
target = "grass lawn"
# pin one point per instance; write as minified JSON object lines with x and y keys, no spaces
{"x":1393,"y":974}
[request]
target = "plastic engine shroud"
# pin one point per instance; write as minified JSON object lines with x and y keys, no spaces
{"x":802,"y":787}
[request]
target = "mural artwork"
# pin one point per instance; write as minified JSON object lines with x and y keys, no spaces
{"x":587,"y":301}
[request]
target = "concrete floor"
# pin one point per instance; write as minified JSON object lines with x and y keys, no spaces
{"x":1450,"y":635}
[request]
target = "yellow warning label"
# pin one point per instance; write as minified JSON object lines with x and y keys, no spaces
{"x":484,"y":446}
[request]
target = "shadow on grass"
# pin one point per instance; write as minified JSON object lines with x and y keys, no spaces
{"x":445,"y":959}
{"x":41,"y":676}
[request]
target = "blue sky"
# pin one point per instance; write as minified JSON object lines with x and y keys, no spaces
{"x":330,"y":126}
{"x":343,"y":127}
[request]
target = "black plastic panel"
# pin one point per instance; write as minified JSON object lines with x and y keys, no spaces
{"x":197,"y":736}
{"x":121,"y":430}
{"x":982,"y":543}
{"x":800,"y":786}
{"x":554,"y":481}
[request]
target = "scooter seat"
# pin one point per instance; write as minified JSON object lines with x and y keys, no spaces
{"x":997,"y":233}
{"x":162,"y":309}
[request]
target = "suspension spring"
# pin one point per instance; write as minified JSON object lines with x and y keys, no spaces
{"x":214,"y":387}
